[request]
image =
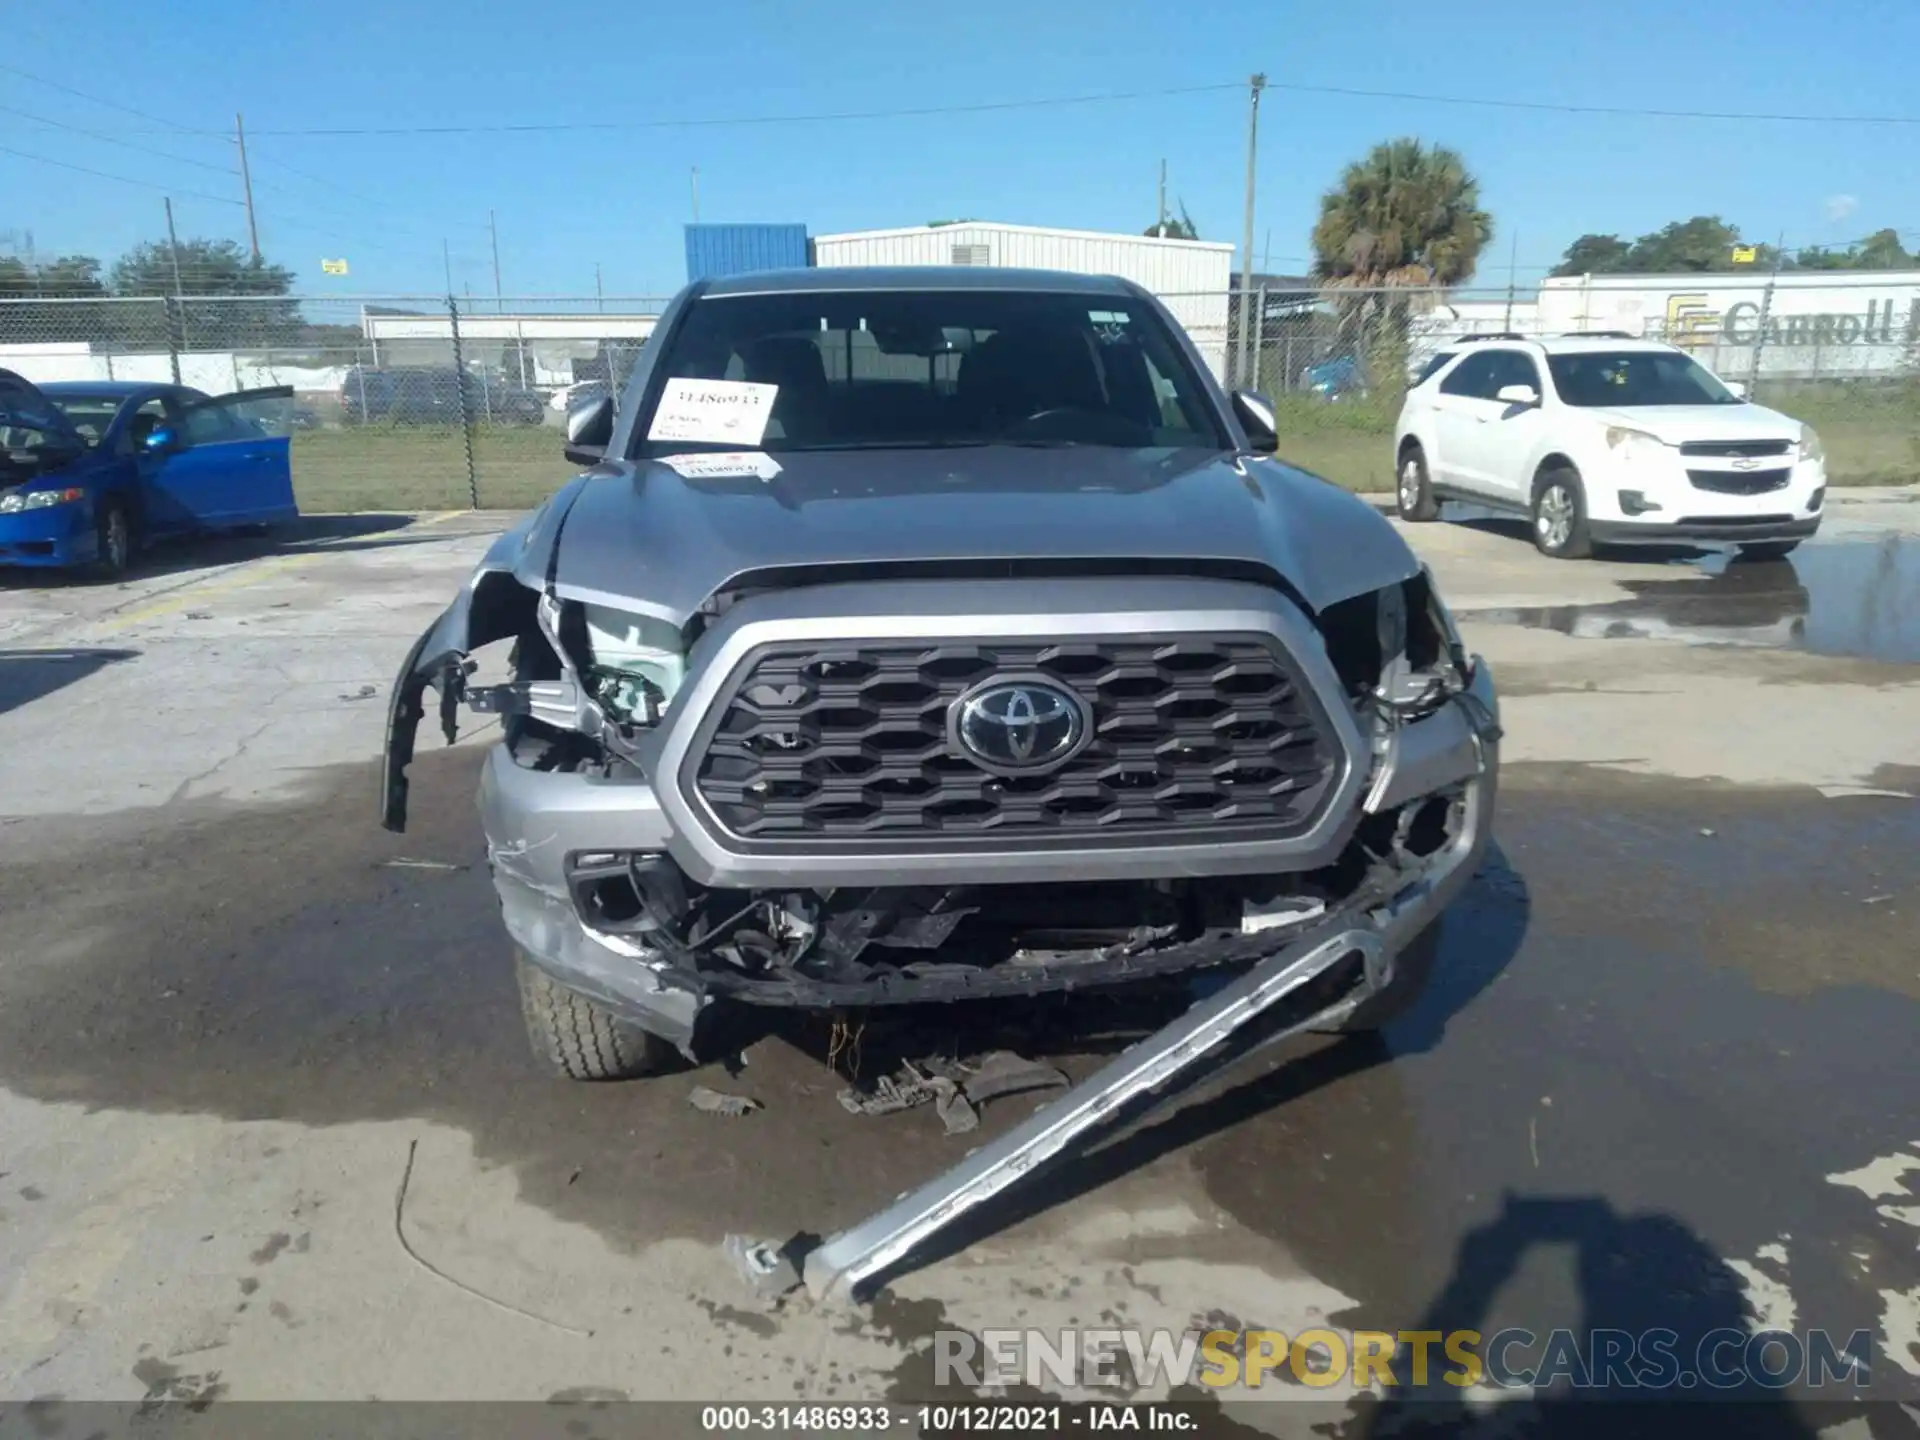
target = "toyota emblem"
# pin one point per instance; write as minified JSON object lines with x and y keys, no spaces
{"x":1019,"y":725}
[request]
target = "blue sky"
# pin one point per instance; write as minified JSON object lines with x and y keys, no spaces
{"x":566,"y":201}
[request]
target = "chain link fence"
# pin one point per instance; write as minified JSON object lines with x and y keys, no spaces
{"x":1842,"y":357}
{"x":424,"y":403}
{"x":404,"y":403}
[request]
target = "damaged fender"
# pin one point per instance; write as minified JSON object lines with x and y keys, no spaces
{"x":499,"y":600}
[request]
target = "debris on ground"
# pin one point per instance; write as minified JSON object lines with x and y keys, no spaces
{"x":715,"y":1102}
{"x":889,"y":1096}
{"x":951,"y":1105}
{"x":954,"y":1090}
{"x":1001,"y":1073}
{"x":402,"y":862}
{"x":763,"y":1264}
{"x":365,"y":692}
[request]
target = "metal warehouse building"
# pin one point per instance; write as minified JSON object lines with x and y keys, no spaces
{"x":1192,"y":277}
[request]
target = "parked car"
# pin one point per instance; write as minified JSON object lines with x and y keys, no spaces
{"x":1336,"y":379}
{"x":425,"y":396}
{"x":578,"y":393}
{"x":1604,"y":438}
{"x":90,"y":473}
{"x":1030,"y":670}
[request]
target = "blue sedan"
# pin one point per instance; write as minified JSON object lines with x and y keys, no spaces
{"x":92,"y":472}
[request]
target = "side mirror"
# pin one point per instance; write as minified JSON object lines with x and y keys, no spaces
{"x":1254,"y":411}
{"x":1735,"y":388}
{"x":1517,"y":395}
{"x":589,"y":430}
{"x":161,"y":439}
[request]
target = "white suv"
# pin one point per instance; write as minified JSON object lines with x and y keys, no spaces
{"x":1600,"y":438}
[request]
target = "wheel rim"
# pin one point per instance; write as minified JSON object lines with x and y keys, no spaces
{"x":1555,"y":520}
{"x":117,"y":539}
{"x":1410,"y":484}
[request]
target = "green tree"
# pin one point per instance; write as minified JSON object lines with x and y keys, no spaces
{"x":1403,"y":215}
{"x":233,"y":301}
{"x":1881,"y":250}
{"x":1706,"y":242}
{"x":38,"y":300}
{"x":1595,"y":255}
{"x":1180,"y":227}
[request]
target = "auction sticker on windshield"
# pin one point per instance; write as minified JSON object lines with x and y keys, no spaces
{"x":728,"y":412}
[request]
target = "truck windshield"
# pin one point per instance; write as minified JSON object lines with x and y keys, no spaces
{"x":920,"y":369}
{"x":1636,"y":377}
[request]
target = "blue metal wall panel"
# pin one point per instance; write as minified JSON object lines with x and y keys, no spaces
{"x":715,"y":250}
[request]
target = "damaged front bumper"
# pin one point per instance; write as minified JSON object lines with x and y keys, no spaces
{"x":616,"y":879}
{"x":1446,"y":762}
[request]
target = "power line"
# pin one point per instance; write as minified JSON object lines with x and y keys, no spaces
{"x":549,"y":127}
{"x":1619,"y":110}
{"x":110,"y":104}
{"x":1107,"y":97}
{"x":101,"y":135}
{"x":123,"y":179}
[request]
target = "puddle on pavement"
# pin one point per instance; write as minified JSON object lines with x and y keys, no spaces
{"x":1848,"y":597}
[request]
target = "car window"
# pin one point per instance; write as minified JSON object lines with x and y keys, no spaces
{"x":208,"y":425}
{"x":1514,"y":367}
{"x":934,"y":368}
{"x":147,"y":414}
{"x":1636,"y":377}
{"x":1473,"y":377}
{"x":91,"y":416}
{"x":1433,"y":367}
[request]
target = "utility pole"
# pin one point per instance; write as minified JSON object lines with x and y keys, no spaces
{"x":696,"y":194}
{"x":1160,"y":225}
{"x":179,"y":291}
{"x":446,"y":259}
{"x":246,"y":185}
{"x":1513,"y":266}
{"x":1766,"y":312}
{"x":499,"y":303}
{"x":599,"y":295}
{"x":1255,"y":85}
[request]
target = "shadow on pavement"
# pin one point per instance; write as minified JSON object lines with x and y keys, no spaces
{"x":29,"y":675}
{"x":1664,"y":1320}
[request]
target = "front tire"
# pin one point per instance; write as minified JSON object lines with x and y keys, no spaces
{"x":1559,"y":515}
{"x":579,"y":1040}
{"x":113,"y":529}
{"x":1769,"y":550}
{"x":1414,"y":492}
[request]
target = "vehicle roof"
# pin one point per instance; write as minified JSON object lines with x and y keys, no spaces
{"x":1563,"y":344}
{"x":103,"y":389}
{"x":831,"y":280}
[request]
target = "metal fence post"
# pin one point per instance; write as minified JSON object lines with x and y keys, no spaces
{"x":466,"y":403}
{"x":175,"y":324}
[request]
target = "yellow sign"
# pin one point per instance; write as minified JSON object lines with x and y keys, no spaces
{"x":1745,"y":254}
{"x":333,"y":267}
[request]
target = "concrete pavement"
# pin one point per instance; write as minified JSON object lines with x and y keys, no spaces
{"x":231,"y":1026}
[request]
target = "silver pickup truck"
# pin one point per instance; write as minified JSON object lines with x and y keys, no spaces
{"x":926,"y":635}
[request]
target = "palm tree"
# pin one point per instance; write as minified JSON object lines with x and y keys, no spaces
{"x":1403,"y":216}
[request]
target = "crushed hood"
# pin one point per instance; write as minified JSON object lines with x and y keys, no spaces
{"x":646,"y":537}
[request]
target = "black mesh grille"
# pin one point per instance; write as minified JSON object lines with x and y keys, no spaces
{"x":1738,"y":482}
{"x":1193,"y":738}
{"x":1734,"y":449}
